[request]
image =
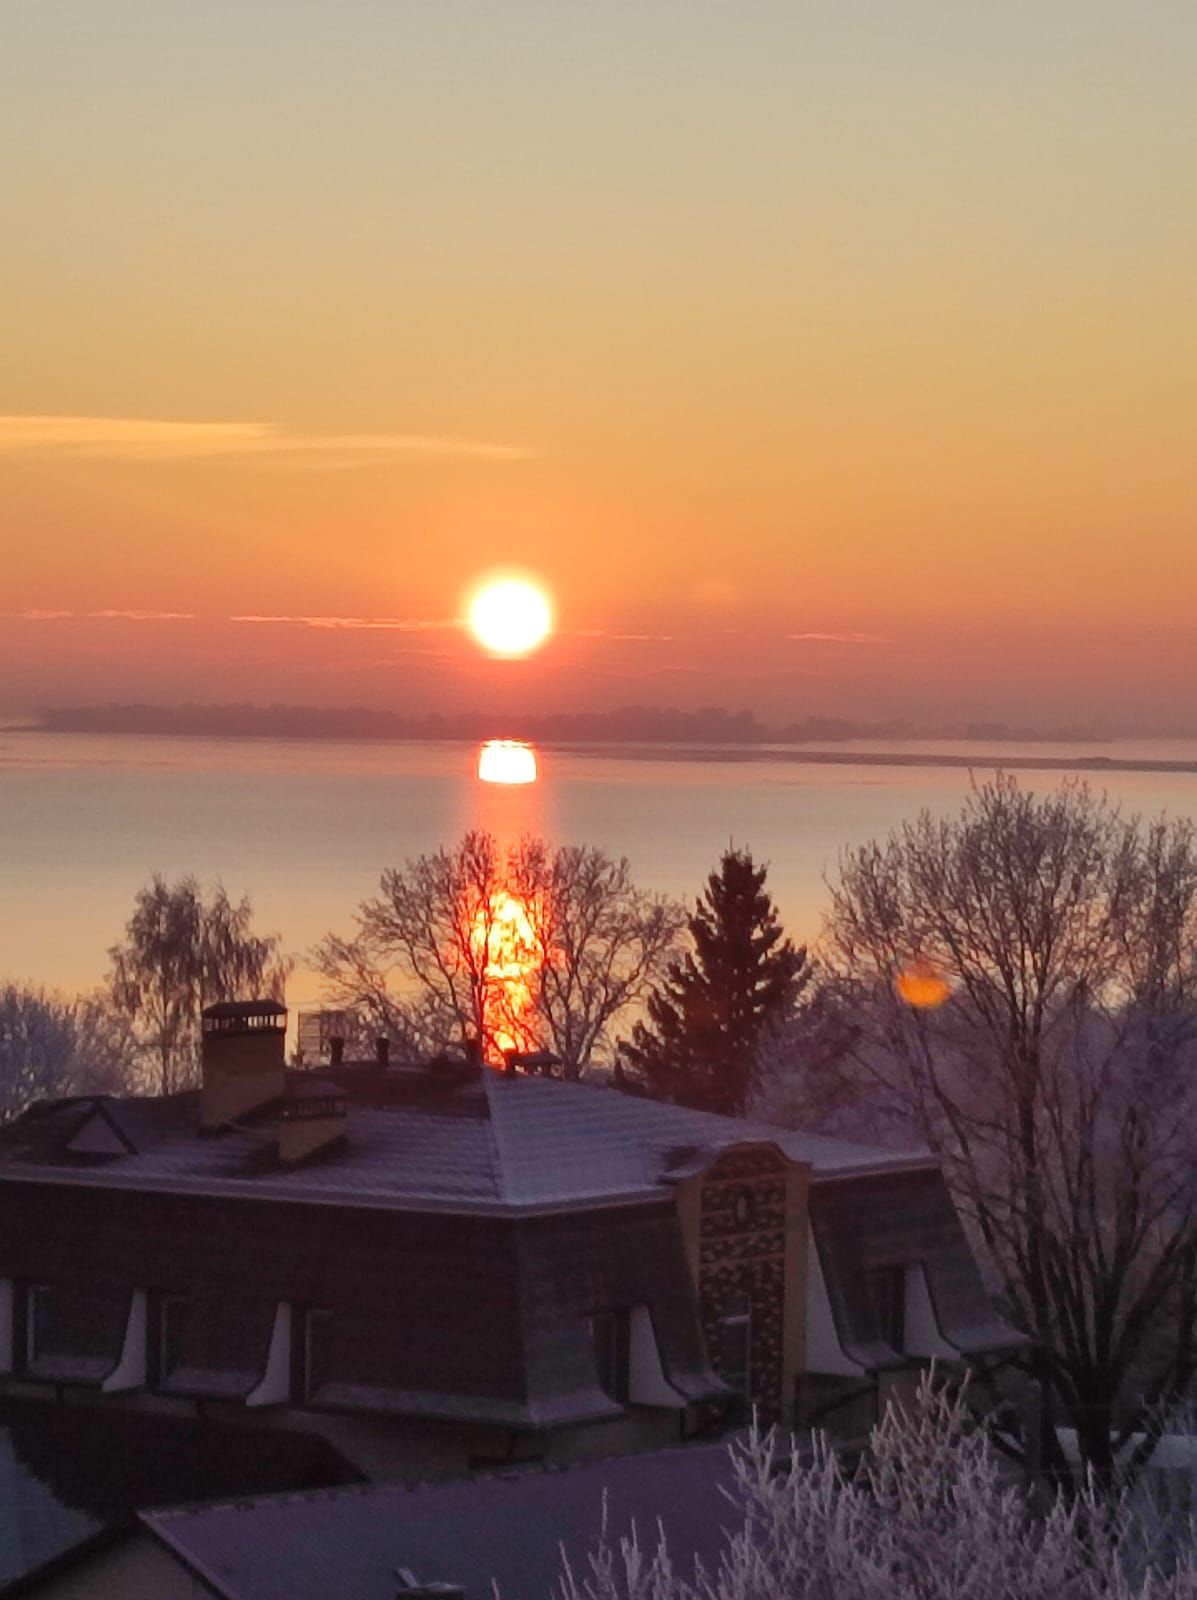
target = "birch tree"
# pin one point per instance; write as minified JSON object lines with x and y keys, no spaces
{"x":184,"y":949}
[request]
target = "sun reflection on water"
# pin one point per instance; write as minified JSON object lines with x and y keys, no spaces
{"x":506,"y":761}
{"x":922,"y":985}
{"x":509,"y":949}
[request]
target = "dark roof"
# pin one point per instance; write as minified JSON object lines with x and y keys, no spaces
{"x":498,"y":1144}
{"x":35,"y":1526}
{"x":507,"y":1530}
{"x":68,"y":1471}
{"x":108,"y":1462}
{"x":313,"y":1086}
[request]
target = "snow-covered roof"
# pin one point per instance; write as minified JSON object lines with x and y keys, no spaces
{"x":492,"y":1144}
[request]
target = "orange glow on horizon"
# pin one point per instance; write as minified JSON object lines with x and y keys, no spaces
{"x":966,"y":503}
{"x":506,"y":761}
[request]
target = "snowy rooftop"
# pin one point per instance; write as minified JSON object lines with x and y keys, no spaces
{"x":493,"y":1144}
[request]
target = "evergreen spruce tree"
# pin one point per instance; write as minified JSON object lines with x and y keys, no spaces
{"x":707,"y":1018}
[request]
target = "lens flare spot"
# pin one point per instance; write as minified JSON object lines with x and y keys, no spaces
{"x":922,"y":986}
{"x":506,"y":761}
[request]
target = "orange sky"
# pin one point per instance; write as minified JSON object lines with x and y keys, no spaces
{"x":828,"y":359}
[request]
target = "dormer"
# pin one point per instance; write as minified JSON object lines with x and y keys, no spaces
{"x":100,"y":1137}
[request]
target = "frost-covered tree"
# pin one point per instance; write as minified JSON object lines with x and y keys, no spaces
{"x":37,"y":1047}
{"x":1023,"y":987}
{"x":51,"y":1046}
{"x":718,"y":1000}
{"x":930,"y":1514}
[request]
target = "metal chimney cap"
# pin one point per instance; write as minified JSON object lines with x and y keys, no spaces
{"x":242,"y":1010}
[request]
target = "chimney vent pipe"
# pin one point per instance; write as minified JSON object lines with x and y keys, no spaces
{"x":336,"y":1050}
{"x":382,"y":1050}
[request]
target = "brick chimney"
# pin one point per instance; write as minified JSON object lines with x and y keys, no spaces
{"x":382,"y":1051}
{"x":243,"y":1058}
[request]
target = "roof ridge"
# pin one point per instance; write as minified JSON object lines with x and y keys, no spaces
{"x":501,"y":1153}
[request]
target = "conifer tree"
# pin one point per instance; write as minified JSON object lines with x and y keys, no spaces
{"x":706,"y":1019}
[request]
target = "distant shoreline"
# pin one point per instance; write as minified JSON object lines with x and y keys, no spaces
{"x":761,"y":750}
{"x":636,"y":724}
{"x":885,"y":758}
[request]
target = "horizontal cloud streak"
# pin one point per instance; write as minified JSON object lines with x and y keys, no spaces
{"x":623,"y":638}
{"x":108,"y":615}
{"x":839,"y":638}
{"x":143,"y":616}
{"x":351,"y":624}
{"x":151,"y":439}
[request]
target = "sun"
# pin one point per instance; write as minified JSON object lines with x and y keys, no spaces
{"x":510,"y":616}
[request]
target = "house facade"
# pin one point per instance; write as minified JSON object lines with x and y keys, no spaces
{"x":442,"y":1268}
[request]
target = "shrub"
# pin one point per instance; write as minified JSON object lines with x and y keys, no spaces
{"x":931,"y":1513}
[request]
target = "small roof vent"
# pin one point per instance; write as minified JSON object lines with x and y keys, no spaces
{"x":410,"y":1589}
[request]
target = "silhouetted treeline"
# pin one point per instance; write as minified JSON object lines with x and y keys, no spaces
{"x":711,"y":725}
{"x":626,"y":724}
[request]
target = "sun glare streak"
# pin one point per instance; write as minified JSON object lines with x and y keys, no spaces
{"x":506,"y":761}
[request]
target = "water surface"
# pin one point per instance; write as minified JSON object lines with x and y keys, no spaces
{"x":305,"y":828}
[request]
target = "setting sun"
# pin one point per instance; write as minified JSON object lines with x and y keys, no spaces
{"x":510,"y":616}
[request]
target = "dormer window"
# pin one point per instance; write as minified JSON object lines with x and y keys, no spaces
{"x":38,"y":1301}
{"x":609,"y":1336}
{"x":171,"y":1315}
{"x":317,"y":1333}
{"x":887,"y":1290}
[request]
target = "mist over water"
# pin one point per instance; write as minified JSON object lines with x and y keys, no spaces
{"x":306,"y":828}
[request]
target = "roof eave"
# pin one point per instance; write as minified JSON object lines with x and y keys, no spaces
{"x":876,"y":1169}
{"x":248,"y":1189}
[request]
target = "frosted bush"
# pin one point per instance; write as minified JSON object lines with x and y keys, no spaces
{"x":930,"y":1514}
